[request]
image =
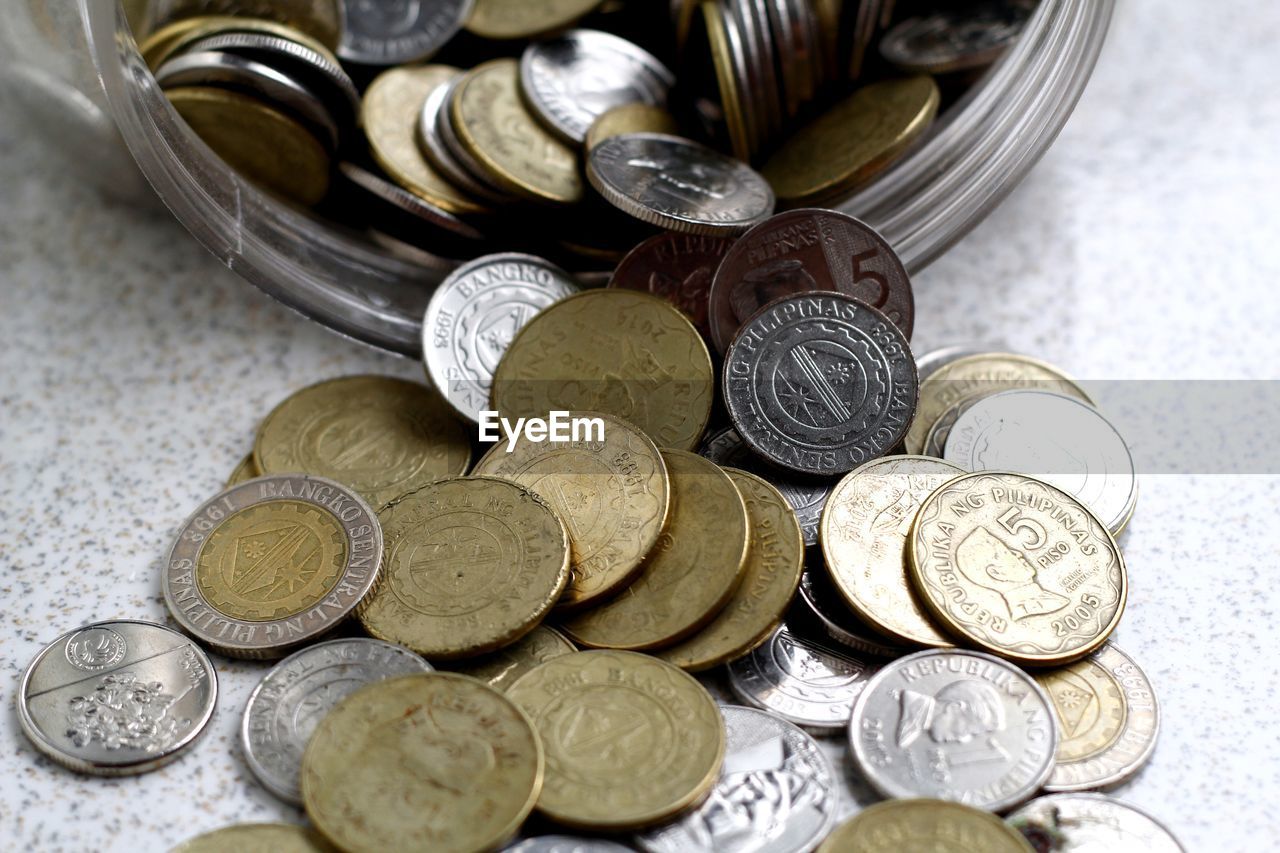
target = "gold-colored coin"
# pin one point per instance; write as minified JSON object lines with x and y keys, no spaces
{"x":320,"y":19}
{"x":979,"y":375}
{"x":501,"y":669}
{"x":1017,"y":568}
{"x":726,"y":79}
{"x":172,"y":39}
{"x":389,"y":113}
{"x":381,"y":436}
{"x":852,"y":142}
{"x":864,"y":530}
{"x":435,"y":761}
{"x":522,"y":19}
{"x":260,"y":142}
{"x":630,"y":740}
{"x":257,"y":838}
{"x":916,"y":826}
{"x":775,"y":559}
{"x":630,"y":118}
{"x":689,"y":576}
{"x":617,"y":351}
{"x":505,"y":140}
{"x":612,"y":496}
{"x":469,"y":565}
{"x":246,"y":470}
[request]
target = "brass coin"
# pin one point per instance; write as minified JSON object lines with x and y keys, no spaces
{"x":319,"y":19}
{"x":246,"y":470}
{"x":435,"y":761}
{"x":775,"y":559}
{"x":689,"y":576}
{"x":979,"y":375}
{"x":731,"y":97}
{"x":389,"y":113}
{"x":630,"y":118}
{"x":612,"y":496}
{"x":852,"y":142}
{"x":501,"y":669}
{"x":470,"y":565}
{"x":260,"y":142}
{"x":257,"y":838}
{"x":908,"y":826}
{"x":630,"y":740}
{"x":172,"y":39}
{"x":864,"y":532}
{"x":380,"y":436}
{"x":1017,"y":568}
{"x":522,"y":19}
{"x":504,"y":138}
{"x":622,"y":352}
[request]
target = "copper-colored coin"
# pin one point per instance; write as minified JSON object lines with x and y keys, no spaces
{"x":677,"y":267}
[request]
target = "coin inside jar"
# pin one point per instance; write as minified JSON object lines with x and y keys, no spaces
{"x":378,"y":33}
{"x":516,"y":19}
{"x":946,"y":40}
{"x":677,"y":267}
{"x":922,"y":824}
{"x":629,"y":118}
{"x":319,"y":19}
{"x":502,"y":668}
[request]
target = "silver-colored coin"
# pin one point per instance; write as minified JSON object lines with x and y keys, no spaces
{"x":1091,"y":823}
{"x":942,"y":356}
{"x":571,"y":80}
{"x":789,"y":42}
{"x":826,"y":611}
{"x":290,"y":700}
{"x":565,"y":844}
{"x":954,"y":725}
{"x":473,"y":316}
{"x":433,"y":125}
{"x":754,"y":15}
{"x":678,"y":184}
{"x":776,"y":793}
{"x":747,"y":85}
{"x":477,"y":180}
{"x":117,"y":698}
{"x":378,"y":32}
{"x":820,"y":383}
{"x":957,"y":38}
{"x":800,"y":681}
{"x":1055,"y":438}
{"x":231,"y":604}
{"x":864,"y":32}
{"x":935,"y":443}
{"x":406,"y":202}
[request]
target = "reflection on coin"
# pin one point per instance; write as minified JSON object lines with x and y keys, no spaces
{"x":375,"y":32}
{"x":800,"y":681}
{"x":948,"y":39}
{"x":630,"y":740}
{"x":689,"y":576}
{"x":320,"y":19}
{"x":1018,"y":568}
{"x":822,"y":608}
{"x":172,"y":39}
{"x":565,"y":844}
{"x":1108,"y":719}
{"x":502,"y":668}
{"x":612,"y":496}
{"x":380,"y":436}
{"x":246,"y":469}
{"x":520,"y":19}
{"x":1091,"y":823}
{"x":898,"y":826}
{"x":776,"y":793}
{"x":473,"y":316}
{"x":677,"y":267}
{"x":956,"y":725}
{"x":820,"y":383}
{"x":1052,"y":437}
{"x":117,"y":698}
{"x":864,"y":539}
{"x":435,"y":761}
{"x":290,"y":700}
{"x":255,"y":837}
{"x":630,"y":118}
{"x":271,"y":564}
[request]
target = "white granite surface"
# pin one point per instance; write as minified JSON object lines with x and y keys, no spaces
{"x":133,"y":370}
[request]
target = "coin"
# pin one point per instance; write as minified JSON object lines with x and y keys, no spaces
{"x":676,"y":267}
{"x":1091,"y":823}
{"x":923,"y":824}
{"x":775,"y":557}
{"x":379,"y":435}
{"x":629,"y":118}
{"x":473,"y":316}
{"x":944,"y":355}
{"x":614,"y":351}
{"x":117,"y":698}
{"x":257,"y":838}
{"x":956,"y":725}
{"x":565,"y":844}
{"x":435,"y":761}
{"x":472,"y":564}
{"x":776,"y":793}
{"x":806,"y":250}
{"x":271,"y":564}
{"x":802,"y":682}
{"x":378,"y":33}
{"x":678,"y":184}
{"x":935,"y":443}
{"x":630,"y":740}
{"x":501,"y":669}
{"x":947,"y":39}
{"x":173,"y":39}
{"x":731,"y":100}
{"x":439,"y":143}
{"x":514,"y":151}
{"x":612,"y":496}
{"x":1017,"y":567}
{"x":821,"y":607}
{"x":1108,"y":720}
{"x":1052,"y":437}
{"x":688,"y":577}
{"x":820,"y":383}
{"x":320,"y":19}
{"x":246,"y":469}
{"x":522,"y":19}
{"x":390,"y":206}
{"x":978,"y":375}
{"x":852,"y":142}
{"x":865,"y":527}
{"x":290,"y":700}
{"x":573,"y":78}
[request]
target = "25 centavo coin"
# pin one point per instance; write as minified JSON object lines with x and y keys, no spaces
{"x":897,"y":826}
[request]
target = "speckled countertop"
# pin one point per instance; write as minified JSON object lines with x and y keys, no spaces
{"x":133,"y":370}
